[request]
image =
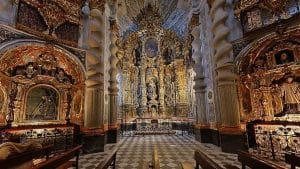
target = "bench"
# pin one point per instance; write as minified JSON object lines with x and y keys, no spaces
{"x":155,"y":160}
{"x":154,"y":164}
{"x":255,"y":162}
{"x":110,"y":160}
{"x":22,"y":158}
{"x":60,"y":161}
{"x":206,"y":163}
{"x":185,"y":165}
{"x":293,"y":160}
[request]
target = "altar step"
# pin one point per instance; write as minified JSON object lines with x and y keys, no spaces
{"x":154,"y":132}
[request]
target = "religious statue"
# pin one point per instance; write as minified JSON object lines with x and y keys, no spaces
{"x":167,"y":56}
{"x":259,"y":64}
{"x":30,"y":71}
{"x":284,"y":58}
{"x":277,"y":101}
{"x":86,"y":9}
{"x":151,"y":90}
{"x":139,"y":91}
{"x":291,"y":95}
{"x":168,"y":91}
{"x":153,"y":111}
{"x":137,"y":52}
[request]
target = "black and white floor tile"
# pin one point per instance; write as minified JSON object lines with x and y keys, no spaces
{"x":172,"y":149}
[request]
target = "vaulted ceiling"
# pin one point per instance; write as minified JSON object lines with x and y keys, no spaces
{"x":175,"y":14}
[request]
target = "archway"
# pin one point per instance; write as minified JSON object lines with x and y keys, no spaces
{"x":28,"y":63}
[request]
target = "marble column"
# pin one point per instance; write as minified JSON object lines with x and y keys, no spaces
{"x":94,"y":139}
{"x":199,"y":79}
{"x":201,"y":126}
{"x":230,"y":132}
{"x":115,"y":52}
{"x":94,"y":73}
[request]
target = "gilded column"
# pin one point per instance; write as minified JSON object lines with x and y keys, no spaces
{"x":143,"y":100}
{"x":225,"y":79}
{"x":161,"y":91}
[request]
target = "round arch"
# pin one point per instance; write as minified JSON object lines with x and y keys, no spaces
{"x":10,"y":45}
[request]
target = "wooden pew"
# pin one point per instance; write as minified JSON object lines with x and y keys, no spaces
{"x":206,"y":163}
{"x":155,"y":159}
{"x":186,"y":166}
{"x":19,"y":159}
{"x":60,"y":160}
{"x":110,"y":160}
{"x":255,"y":162}
{"x":293,"y":160}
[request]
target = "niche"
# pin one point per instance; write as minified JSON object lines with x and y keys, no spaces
{"x":42,"y":104}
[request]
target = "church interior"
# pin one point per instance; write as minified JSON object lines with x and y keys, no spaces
{"x":139,"y":84}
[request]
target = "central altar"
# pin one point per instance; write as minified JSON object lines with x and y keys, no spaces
{"x":154,"y":71}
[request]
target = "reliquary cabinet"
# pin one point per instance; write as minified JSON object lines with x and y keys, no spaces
{"x":269,"y":86}
{"x":40,"y":84}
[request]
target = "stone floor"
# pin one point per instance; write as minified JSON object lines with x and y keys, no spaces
{"x":172,"y":149}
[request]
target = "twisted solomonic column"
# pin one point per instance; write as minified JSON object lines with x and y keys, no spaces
{"x":200,"y":84}
{"x":113,"y":88}
{"x":224,"y":67}
{"x":94,"y":82}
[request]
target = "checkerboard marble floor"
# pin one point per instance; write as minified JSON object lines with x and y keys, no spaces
{"x":172,"y":149}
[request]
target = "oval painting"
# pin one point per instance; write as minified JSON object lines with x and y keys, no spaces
{"x":151,"y":47}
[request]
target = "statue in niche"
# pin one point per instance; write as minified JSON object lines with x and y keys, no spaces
{"x":11,"y":105}
{"x":47,"y":63}
{"x":277,"y":101}
{"x":168,"y":55}
{"x":137,"y":53}
{"x":259,"y":64}
{"x":30,"y":70}
{"x":61,"y":75}
{"x":284,"y":57}
{"x":139,"y":91}
{"x":168,"y":90}
{"x":153,"y":110}
{"x":151,"y":47}
{"x":290,"y":91}
{"x":151,"y":90}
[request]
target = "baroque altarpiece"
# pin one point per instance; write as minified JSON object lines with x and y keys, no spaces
{"x":154,"y":70}
{"x":268,"y":68}
{"x":41,"y":75}
{"x":268,"y":58}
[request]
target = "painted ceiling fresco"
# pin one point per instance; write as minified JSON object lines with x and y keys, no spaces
{"x":175,"y":14}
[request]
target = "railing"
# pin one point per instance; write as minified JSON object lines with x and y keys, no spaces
{"x":62,"y":137}
{"x":274,"y":141}
{"x":156,"y":126}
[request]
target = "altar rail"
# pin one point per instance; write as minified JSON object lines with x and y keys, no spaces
{"x":274,"y":139}
{"x":156,"y":126}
